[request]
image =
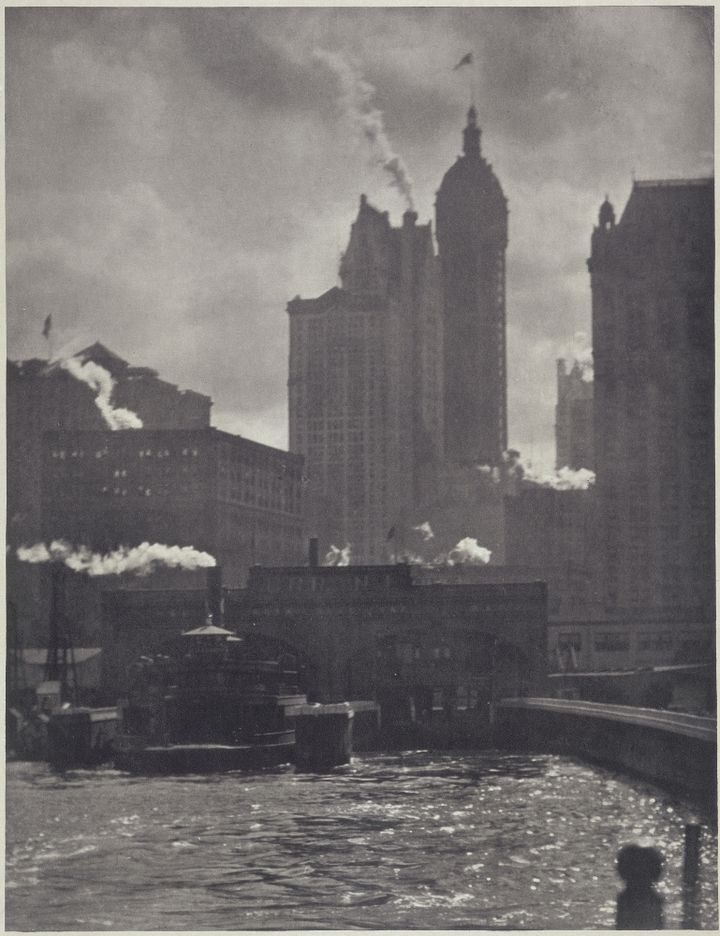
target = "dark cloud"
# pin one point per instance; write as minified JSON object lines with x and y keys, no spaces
{"x":175,"y":175}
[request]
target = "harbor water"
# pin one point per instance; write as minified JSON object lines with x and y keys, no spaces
{"x":405,"y":841}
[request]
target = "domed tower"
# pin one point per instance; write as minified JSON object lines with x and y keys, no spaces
{"x":472,"y":225}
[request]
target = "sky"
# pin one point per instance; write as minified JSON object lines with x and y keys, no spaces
{"x":175,"y":176}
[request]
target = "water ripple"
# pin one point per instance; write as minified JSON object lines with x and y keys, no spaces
{"x":409,"y":841}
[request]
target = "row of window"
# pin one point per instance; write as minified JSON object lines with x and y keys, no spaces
{"x":62,"y":453}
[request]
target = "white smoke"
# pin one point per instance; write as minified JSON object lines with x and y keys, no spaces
{"x":356,"y":98}
{"x":413,"y":559}
{"x":468,"y":552}
{"x":138,"y":560}
{"x":564,"y":479}
{"x":338,"y":557}
{"x":426,"y":531}
{"x":579,"y":352}
{"x":101,"y":382}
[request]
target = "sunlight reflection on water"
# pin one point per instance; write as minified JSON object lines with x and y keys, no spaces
{"x":417,"y":840}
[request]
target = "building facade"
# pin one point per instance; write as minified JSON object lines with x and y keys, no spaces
{"x":472,"y":234}
{"x":371,"y":632}
{"x":237,"y":499}
{"x":574,"y":418}
{"x":652,"y":279}
{"x":552,"y":533}
{"x":41,"y":397}
{"x":365,"y":387}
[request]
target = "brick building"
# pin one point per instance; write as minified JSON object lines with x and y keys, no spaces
{"x":237,"y":499}
{"x":382,"y":632}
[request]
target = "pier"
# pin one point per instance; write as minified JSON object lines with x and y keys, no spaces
{"x":675,"y":750}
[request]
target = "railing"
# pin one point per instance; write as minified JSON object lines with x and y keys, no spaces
{"x":694,"y":726}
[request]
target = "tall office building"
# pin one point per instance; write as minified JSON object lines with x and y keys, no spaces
{"x":397,"y":389}
{"x":365,"y":387}
{"x":472,"y":233}
{"x":652,"y":302}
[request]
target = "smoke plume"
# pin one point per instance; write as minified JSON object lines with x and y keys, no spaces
{"x":356,"y":98}
{"x":338,"y":557}
{"x":578,"y":352}
{"x":426,"y":531}
{"x":564,"y":479}
{"x":468,"y":552}
{"x":138,"y":560}
{"x":101,"y":382}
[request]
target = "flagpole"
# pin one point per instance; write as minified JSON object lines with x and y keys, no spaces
{"x":47,"y":335}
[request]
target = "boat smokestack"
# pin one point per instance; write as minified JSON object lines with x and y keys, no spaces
{"x":215,"y":594}
{"x":313,"y":553}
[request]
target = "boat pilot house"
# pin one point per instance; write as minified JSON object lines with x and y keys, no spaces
{"x":426,"y":650}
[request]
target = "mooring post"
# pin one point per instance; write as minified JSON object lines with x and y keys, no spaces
{"x":639,"y":906}
{"x":691,"y":868}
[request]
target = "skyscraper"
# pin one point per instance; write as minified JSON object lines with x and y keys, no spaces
{"x":365,"y":387}
{"x":652,"y":302}
{"x":472,"y":234}
{"x":397,"y":387}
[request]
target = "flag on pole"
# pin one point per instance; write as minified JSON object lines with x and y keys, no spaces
{"x":47,"y":326}
{"x":465,"y":60}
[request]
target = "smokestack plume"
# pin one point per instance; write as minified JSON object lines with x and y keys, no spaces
{"x":467,"y":552}
{"x":517,"y":470}
{"x":338,"y":557}
{"x":426,"y":530}
{"x":313,"y":553}
{"x":356,"y":99}
{"x":101,"y":382}
{"x":140,"y":560}
{"x":215,"y":603}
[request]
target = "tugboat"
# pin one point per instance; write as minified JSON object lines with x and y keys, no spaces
{"x":209,"y":704}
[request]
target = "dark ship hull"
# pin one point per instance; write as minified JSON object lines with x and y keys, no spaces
{"x":207,"y":758}
{"x":82,"y":737}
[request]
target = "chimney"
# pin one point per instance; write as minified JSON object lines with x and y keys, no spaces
{"x":313,"y":555}
{"x":58,"y":575}
{"x":409,"y":218}
{"x":215,"y":594}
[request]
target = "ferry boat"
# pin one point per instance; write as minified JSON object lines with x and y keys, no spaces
{"x":210,"y":704}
